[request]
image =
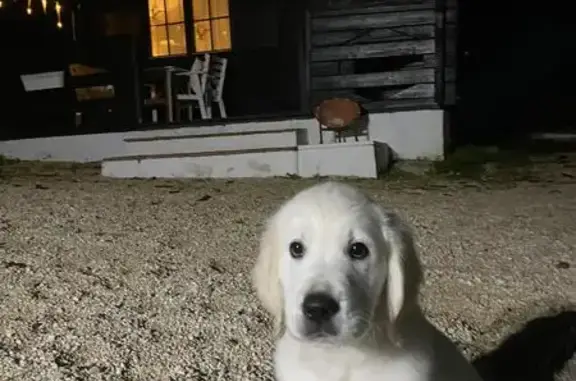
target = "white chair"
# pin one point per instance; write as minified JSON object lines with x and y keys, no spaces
{"x":216,"y":78}
{"x":195,"y":87}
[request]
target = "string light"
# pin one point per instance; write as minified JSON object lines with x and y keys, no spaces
{"x":29,"y":9}
{"x":59,"y":14}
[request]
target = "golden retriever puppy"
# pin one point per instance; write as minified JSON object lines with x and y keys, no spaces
{"x":341,"y":276}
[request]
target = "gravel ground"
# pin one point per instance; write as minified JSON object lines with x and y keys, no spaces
{"x":149,"y":280}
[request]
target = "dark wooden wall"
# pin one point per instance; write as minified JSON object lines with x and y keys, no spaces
{"x":388,"y":55}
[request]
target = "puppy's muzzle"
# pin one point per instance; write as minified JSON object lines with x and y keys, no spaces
{"x":319,"y":308}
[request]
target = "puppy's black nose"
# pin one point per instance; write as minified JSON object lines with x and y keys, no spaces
{"x":319,"y":307}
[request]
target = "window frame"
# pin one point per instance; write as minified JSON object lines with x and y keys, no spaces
{"x":210,"y":19}
{"x":190,"y":30}
{"x":166,"y":26}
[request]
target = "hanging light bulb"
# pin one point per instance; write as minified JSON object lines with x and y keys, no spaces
{"x":44,"y":5}
{"x":59,"y":15}
{"x":1,"y":3}
{"x":29,"y":7}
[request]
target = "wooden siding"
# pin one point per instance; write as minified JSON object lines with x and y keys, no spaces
{"x":385,"y":55}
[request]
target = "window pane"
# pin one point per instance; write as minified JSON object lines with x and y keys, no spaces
{"x":159,"y":41}
{"x":219,"y":8}
{"x":221,"y":34}
{"x":202,"y":36}
{"x":156,"y":12}
{"x":200,"y":9}
{"x":175,"y":11}
{"x":177,"y":38}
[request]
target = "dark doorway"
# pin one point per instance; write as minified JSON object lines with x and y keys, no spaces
{"x":517,"y":65}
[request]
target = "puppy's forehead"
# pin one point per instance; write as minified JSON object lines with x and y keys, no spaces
{"x":327,"y":206}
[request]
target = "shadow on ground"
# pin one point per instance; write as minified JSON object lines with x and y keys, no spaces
{"x":543,"y":350}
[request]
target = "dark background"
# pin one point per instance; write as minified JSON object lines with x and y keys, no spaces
{"x":516,"y":70}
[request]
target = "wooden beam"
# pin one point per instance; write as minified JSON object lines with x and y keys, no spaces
{"x":451,"y":16}
{"x":440,"y":42}
{"x":304,"y":63}
{"x":450,"y":94}
{"x":421,"y":90}
{"x":450,"y":74}
{"x":387,"y":49}
{"x":404,"y":77}
{"x":387,"y":8}
{"x":370,"y":21}
{"x":324,"y":68}
{"x":318,"y":96}
{"x":401,"y":105}
{"x":428,"y":61}
{"x":451,"y":45}
{"x":318,"y":69}
{"x":402,"y":33}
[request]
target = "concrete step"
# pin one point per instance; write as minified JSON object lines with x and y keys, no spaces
{"x":264,"y":162}
{"x":222,"y":141}
{"x":364,"y":159}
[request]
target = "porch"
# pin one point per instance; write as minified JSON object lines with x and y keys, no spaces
{"x":412,"y":134}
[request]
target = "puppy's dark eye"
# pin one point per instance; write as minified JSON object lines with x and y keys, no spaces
{"x":358,"y":250}
{"x":296,"y":249}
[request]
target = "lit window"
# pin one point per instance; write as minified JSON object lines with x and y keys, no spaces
{"x":211,"y":29}
{"x":167,"y":27}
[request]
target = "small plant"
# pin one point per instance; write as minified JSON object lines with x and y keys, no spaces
{"x":4,"y":161}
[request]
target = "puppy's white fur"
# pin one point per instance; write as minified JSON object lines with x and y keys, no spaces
{"x":381,"y":332}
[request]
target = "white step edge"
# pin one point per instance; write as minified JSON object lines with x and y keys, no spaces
{"x":362,"y":159}
{"x":268,"y":162}
{"x":160,"y":145}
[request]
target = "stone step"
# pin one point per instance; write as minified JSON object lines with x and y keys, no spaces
{"x":221,"y":141}
{"x":263,"y":162}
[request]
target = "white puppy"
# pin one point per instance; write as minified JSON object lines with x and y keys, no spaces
{"x":341,"y":277}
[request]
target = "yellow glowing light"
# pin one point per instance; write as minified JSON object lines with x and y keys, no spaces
{"x":1,"y":4}
{"x":58,"y":14}
{"x":44,"y":5}
{"x":29,"y":7}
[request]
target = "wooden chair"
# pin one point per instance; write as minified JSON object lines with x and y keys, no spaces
{"x":195,"y":90}
{"x":337,"y":115}
{"x":216,"y":79}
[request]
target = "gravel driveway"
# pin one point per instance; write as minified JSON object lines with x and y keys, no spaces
{"x":149,"y":280}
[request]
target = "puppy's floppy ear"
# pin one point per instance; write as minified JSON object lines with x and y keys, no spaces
{"x":404,"y":270}
{"x":266,"y":276}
